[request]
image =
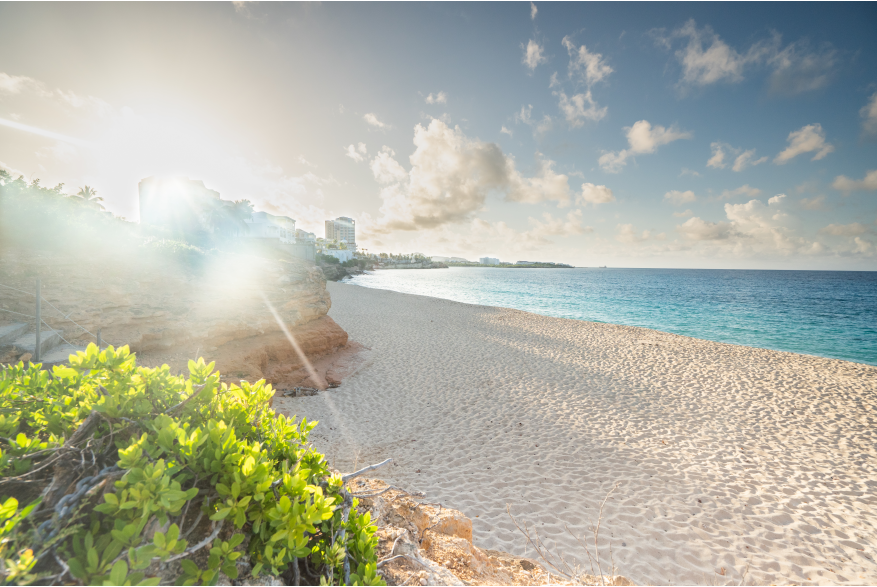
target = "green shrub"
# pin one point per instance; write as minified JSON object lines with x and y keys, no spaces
{"x":154,"y":467}
{"x":321,"y":258}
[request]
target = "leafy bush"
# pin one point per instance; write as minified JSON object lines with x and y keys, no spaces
{"x":321,"y":258}
{"x":137,"y":466}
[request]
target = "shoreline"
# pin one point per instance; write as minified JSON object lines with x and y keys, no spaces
{"x":734,"y":463}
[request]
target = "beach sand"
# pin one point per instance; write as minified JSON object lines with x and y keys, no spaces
{"x":734,"y":464}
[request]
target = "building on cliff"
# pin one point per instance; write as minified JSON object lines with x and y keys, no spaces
{"x":264,"y":225}
{"x":342,"y":229}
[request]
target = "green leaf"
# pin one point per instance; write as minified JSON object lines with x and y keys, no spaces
{"x":119,"y":573}
{"x":221,"y":514}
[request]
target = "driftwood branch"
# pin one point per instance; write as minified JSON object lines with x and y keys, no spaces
{"x":349,"y":476}
{"x":217,"y":526}
{"x":198,"y":388}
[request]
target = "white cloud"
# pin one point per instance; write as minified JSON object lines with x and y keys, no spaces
{"x":506,"y":131}
{"x":869,"y":113}
{"x":685,"y":171}
{"x":867,"y":184}
{"x":450,"y":178}
{"x":642,"y":138}
{"x":576,"y":112}
{"x":533,"y":11}
{"x":684,"y":214}
{"x":717,"y":62}
{"x":627,"y":233}
{"x":815,"y":203}
{"x":373,"y":121}
{"x":717,"y":161}
{"x":854,"y":229}
{"x":304,"y":161}
{"x":14,"y":84}
{"x":584,"y":66}
{"x":351,"y":152}
{"x":698,"y":229}
{"x":595,"y":194}
{"x":678,"y":198}
{"x":568,"y":226}
{"x":707,"y":59}
{"x":526,"y":116}
{"x":440,"y":98}
{"x":805,"y":140}
{"x":533,"y":55}
{"x":743,"y":158}
{"x":743,"y":190}
{"x":798,"y":70}
{"x":747,"y":159}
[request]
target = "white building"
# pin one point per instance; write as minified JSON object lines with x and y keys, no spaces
{"x":342,"y":229}
{"x":305,"y":237}
{"x":340,"y":254}
{"x":488,"y":261}
{"x":264,"y":225}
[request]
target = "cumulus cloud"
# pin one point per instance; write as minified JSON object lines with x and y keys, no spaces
{"x":747,"y":159}
{"x":14,"y":84}
{"x":533,"y":55}
{"x":854,"y":229}
{"x":796,"y":69}
{"x":707,"y":59}
{"x":698,"y":229}
{"x":356,"y":153}
{"x":743,"y":158}
{"x":533,"y":11}
{"x":569,"y":226}
{"x":717,"y":161}
{"x":505,"y":131}
{"x":451,"y":176}
{"x":373,"y":121}
{"x":678,"y":198}
{"x":743,"y":190}
{"x":867,"y":184}
{"x":440,"y":98}
{"x":815,"y":203}
{"x":683,"y":214}
{"x":539,"y":127}
{"x":869,"y":114}
{"x":579,"y":108}
{"x":805,"y":140}
{"x":595,"y":194}
{"x":643,"y":138}
{"x":585,"y":67}
{"x":628,"y":234}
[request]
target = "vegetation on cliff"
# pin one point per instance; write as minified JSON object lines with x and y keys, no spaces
{"x":116,"y":474}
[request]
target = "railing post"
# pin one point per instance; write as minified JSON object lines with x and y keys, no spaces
{"x":39,"y":325}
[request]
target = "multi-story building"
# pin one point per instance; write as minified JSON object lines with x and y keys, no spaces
{"x":488,"y":261}
{"x":264,"y":225}
{"x":342,"y":229}
{"x":302,"y":236}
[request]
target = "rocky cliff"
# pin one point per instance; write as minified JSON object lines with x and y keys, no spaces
{"x":169,"y":308}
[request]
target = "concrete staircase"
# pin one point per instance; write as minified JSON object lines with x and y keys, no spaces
{"x":53,"y":350}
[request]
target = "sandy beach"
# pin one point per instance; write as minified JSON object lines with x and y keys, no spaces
{"x":733,"y":464}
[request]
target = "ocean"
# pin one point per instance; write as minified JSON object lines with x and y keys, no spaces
{"x":824,"y":313}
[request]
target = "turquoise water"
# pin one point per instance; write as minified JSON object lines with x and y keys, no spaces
{"x":825,"y":313}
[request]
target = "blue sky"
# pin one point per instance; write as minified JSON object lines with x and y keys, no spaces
{"x":626,"y":134}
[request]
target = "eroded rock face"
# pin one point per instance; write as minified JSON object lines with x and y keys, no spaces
{"x":168,"y":311}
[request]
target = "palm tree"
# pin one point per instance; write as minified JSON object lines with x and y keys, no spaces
{"x":239,"y":212}
{"x":89,"y":197}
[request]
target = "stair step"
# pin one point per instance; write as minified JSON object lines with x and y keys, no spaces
{"x":59,"y":355}
{"x":10,"y":332}
{"x":49,"y":339}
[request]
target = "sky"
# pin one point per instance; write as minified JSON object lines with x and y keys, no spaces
{"x":702,"y":135}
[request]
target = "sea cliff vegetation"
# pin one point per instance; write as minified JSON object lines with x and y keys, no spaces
{"x":114,"y":474}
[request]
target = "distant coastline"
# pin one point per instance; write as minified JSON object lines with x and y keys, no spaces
{"x":514,"y":266}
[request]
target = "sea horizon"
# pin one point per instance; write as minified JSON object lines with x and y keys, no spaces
{"x":810,"y":312}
